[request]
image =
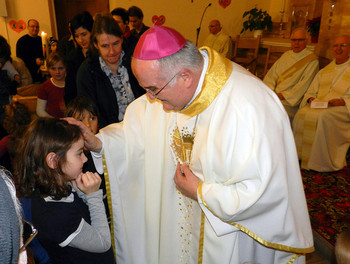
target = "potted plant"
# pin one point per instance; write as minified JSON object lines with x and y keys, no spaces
{"x":257,"y":20}
{"x":313,"y":27}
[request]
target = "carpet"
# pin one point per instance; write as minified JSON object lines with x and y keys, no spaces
{"x":328,"y":200}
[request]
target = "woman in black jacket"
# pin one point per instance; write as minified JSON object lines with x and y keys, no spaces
{"x":80,"y":26}
{"x":106,"y":76}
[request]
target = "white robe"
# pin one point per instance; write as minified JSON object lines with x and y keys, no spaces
{"x":295,"y":86}
{"x":324,"y":140}
{"x":244,"y":153}
{"x":219,"y":42}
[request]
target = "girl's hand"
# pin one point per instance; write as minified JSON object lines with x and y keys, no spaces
{"x":87,"y":182}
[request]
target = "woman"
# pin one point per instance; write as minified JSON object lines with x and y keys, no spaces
{"x":106,"y":76}
{"x":80,"y":26}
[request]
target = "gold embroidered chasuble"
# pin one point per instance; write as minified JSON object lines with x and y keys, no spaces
{"x":216,"y":134}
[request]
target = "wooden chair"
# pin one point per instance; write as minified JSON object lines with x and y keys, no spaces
{"x":246,"y":52}
{"x":273,"y":54}
{"x":27,"y":95}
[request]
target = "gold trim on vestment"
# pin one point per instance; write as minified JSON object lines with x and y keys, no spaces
{"x":296,"y":67}
{"x":338,"y":89}
{"x":218,"y":72}
{"x":109,"y":201}
{"x":293,"y":258}
{"x":276,"y":246}
{"x":201,"y":239}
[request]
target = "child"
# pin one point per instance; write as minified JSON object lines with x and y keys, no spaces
{"x":85,"y":110}
{"x":50,"y":101}
{"x":72,"y":223}
{"x":17,"y":118}
{"x":53,"y":44}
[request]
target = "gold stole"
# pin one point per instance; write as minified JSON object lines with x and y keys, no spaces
{"x":218,"y":72}
{"x":325,"y":91}
{"x":295,"y":67}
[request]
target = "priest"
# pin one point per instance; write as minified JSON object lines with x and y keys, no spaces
{"x":321,"y":126}
{"x":203,"y":169}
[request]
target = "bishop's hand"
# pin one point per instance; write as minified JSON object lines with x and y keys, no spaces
{"x":186,"y":182}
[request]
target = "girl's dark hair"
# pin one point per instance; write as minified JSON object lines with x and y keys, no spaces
{"x":104,"y":23}
{"x":36,"y":178}
{"x":17,"y":118}
{"x":5,"y":50}
{"x":83,"y":20}
{"x":79,"y":104}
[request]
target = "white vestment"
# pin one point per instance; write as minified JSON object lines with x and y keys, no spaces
{"x":251,"y":200}
{"x":322,"y":136}
{"x":219,"y":42}
{"x":295,"y":85}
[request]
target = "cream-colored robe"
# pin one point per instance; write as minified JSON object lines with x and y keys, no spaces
{"x":295,"y":86}
{"x":251,"y":201}
{"x":219,"y":42}
{"x":322,"y":136}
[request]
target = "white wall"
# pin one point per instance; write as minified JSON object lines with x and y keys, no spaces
{"x":183,"y":15}
{"x":24,"y":10}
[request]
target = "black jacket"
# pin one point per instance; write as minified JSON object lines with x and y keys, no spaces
{"x":92,"y":82}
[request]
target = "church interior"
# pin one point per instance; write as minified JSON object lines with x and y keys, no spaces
{"x":327,"y":193}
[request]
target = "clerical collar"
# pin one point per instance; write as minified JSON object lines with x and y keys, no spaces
{"x":345,"y":64}
{"x":204,"y":53}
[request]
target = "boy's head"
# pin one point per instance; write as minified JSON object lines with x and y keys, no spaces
{"x":54,"y":58}
{"x":84,"y":110}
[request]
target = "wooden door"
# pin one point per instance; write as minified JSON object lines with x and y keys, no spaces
{"x":65,"y":10}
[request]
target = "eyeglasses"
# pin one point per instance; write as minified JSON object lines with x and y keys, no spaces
{"x":161,"y":89}
{"x":297,"y":40}
{"x":342,"y":45}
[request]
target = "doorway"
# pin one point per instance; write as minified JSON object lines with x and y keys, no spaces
{"x":65,"y":10}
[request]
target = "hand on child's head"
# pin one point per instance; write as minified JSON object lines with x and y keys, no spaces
{"x":87,"y":182}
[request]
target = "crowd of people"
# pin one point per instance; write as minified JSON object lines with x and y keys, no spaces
{"x":146,"y":149}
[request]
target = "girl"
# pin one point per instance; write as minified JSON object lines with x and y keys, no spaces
{"x":72,"y":222}
{"x":85,"y":110}
{"x":50,"y":101}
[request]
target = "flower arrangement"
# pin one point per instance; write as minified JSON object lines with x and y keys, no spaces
{"x":257,"y":20}
{"x":313,"y":26}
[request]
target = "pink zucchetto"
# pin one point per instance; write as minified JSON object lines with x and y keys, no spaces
{"x":158,"y":42}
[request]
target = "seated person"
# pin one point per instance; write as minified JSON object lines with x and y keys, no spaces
{"x":17,"y":118}
{"x":323,"y":135}
{"x":218,"y":40}
{"x":9,"y":77}
{"x":292,"y":73}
